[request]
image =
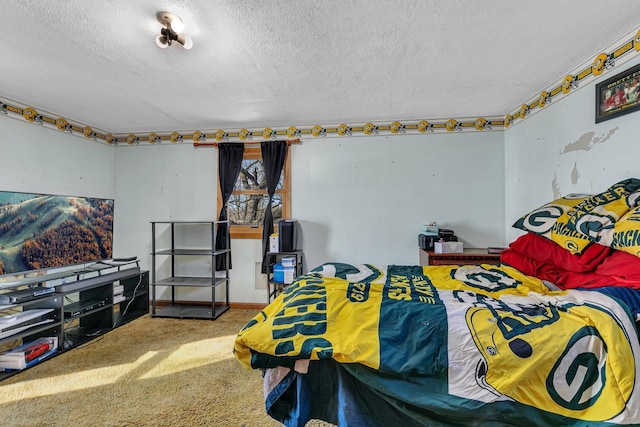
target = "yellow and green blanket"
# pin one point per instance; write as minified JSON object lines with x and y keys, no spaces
{"x":446,"y":343}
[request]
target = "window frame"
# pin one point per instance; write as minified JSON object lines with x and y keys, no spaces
{"x":247,"y":231}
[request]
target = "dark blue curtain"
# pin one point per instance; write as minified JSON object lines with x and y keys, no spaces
{"x":273,"y":155}
{"x":229,"y":164}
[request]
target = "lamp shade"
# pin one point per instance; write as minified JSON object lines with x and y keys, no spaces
{"x":188,"y":43}
{"x":161,"y":41}
{"x":176,"y":24}
{"x":185,"y":41}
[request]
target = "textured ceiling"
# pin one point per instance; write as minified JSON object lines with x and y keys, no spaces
{"x":258,"y":63}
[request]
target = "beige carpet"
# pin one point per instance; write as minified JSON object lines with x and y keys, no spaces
{"x":150,"y":372}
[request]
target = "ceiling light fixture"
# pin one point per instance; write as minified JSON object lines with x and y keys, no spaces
{"x":172,"y":27}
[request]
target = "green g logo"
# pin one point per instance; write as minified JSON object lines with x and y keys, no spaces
{"x":578,"y":377}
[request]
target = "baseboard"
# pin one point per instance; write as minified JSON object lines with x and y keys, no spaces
{"x":236,"y":305}
{"x":247,"y":305}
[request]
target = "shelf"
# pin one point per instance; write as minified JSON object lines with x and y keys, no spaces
{"x":37,"y":277}
{"x":130,"y":295}
{"x":50,"y":318}
{"x":179,"y":284}
{"x":188,"y":222}
{"x":77,"y":335}
{"x":188,"y":311}
{"x":33,"y":302}
{"x":97,"y":281}
{"x":73,"y":272}
{"x":33,"y":330}
{"x":197,"y":252}
{"x":296,"y":252}
{"x":87,"y":313}
{"x":190,"y":281}
{"x":276,"y":288}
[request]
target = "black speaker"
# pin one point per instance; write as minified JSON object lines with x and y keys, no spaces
{"x":288,"y":235}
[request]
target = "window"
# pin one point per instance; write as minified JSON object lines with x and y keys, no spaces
{"x":249,"y":198}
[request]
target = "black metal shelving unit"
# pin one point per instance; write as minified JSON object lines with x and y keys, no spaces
{"x":275,"y":288}
{"x":178,"y":307}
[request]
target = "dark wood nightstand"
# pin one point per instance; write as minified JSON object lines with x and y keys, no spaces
{"x":469,"y":256}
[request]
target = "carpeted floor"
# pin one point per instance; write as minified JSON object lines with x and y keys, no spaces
{"x":150,"y":372}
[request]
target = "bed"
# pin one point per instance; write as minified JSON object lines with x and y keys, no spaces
{"x":548,"y":337}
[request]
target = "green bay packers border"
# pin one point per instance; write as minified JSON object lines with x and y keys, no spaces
{"x":601,"y":63}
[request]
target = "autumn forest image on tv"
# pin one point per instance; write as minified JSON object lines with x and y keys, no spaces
{"x":44,"y":231}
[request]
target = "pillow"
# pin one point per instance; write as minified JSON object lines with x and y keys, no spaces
{"x":620,"y":264}
{"x":626,"y":233}
{"x":522,"y":263}
{"x":595,"y":217}
{"x":563,"y":279}
{"x":549,"y":252}
{"x":541,"y":220}
{"x":552,"y":218}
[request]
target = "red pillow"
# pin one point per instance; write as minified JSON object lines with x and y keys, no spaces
{"x":563,"y":279}
{"x":620,"y":264}
{"x":548,"y":252}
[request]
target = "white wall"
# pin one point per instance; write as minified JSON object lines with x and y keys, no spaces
{"x":34,"y":159}
{"x":364,"y":199}
{"x":561,"y":150}
{"x":358,"y":199}
{"x":171,"y":182}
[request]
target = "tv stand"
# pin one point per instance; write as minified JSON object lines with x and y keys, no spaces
{"x":81,"y":308}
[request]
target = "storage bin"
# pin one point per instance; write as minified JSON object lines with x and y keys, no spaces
{"x":278,"y":273}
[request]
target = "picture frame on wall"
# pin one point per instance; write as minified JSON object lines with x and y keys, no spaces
{"x":618,"y":95}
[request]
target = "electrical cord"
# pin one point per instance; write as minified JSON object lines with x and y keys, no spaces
{"x":133,"y":296}
{"x":72,"y":332}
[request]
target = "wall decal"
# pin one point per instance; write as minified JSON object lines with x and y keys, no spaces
{"x":221,"y":135}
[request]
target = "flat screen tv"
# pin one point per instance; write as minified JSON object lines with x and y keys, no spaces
{"x":43,"y":231}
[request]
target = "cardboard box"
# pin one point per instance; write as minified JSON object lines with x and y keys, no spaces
{"x":289,"y":261}
{"x":448,"y":247}
{"x":289,"y":275}
{"x":29,"y":353}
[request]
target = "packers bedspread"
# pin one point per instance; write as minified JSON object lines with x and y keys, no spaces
{"x":449,"y":345}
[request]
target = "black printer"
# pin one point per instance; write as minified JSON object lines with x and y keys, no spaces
{"x":426,"y":241}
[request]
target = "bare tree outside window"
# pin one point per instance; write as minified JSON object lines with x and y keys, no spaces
{"x":249,"y":199}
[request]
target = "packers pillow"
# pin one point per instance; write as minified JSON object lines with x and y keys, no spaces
{"x":626,"y":233}
{"x":550,"y":221}
{"x":577,"y":220}
{"x":595,"y":217}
